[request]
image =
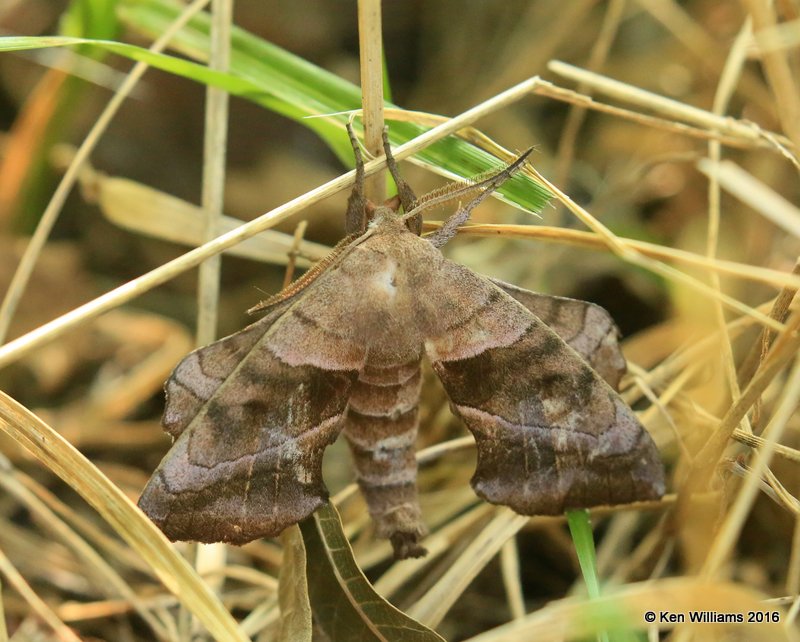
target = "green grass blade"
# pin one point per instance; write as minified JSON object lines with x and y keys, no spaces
{"x":296,"y":88}
{"x":316,"y":91}
{"x":90,"y":19}
{"x":580,"y":527}
{"x":286,"y":84}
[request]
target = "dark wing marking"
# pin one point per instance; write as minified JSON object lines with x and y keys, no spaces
{"x":586,"y":327}
{"x":200,"y":374}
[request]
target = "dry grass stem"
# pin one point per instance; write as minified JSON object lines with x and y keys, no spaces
{"x":104,"y":574}
{"x":38,"y":606}
{"x":754,"y":193}
{"x":433,"y":606}
{"x":765,"y":140}
{"x":211,"y":558}
{"x":509,"y":565}
{"x":117,"y":510}
{"x":728,"y":535}
{"x":782,"y":352}
{"x":574,"y":619}
{"x":703,"y":46}
{"x":370,"y":44}
{"x":214,"y":154}
{"x":592,"y":240}
{"x":779,"y":73}
{"x":577,"y":114}
{"x":51,"y":213}
{"x":666,"y":106}
{"x":146,"y":211}
{"x":627,"y":253}
{"x":3,"y":629}
{"x":778,"y":37}
{"x":439,"y":544}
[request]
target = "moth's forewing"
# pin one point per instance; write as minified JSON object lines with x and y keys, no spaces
{"x":199,"y":375}
{"x":585,"y":327}
{"x":253,"y":414}
{"x":551,"y":433}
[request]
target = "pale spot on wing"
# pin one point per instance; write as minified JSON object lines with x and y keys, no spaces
{"x":245,"y":499}
{"x":297,"y":409}
{"x":383,"y":282}
{"x":293,"y":456}
{"x":561,"y":441}
{"x":554,"y":406}
{"x":559,"y":411}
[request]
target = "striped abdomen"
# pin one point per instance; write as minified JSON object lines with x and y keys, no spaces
{"x":381,"y":427}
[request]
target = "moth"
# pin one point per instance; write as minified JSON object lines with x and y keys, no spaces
{"x":532,"y":376}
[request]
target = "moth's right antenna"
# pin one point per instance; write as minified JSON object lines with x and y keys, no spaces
{"x":407,"y":198}
{"x":451,"y":225}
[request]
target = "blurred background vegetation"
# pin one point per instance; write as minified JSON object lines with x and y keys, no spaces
{"x":101,"y":386}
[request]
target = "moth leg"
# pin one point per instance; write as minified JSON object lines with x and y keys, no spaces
{"x":404,"y":191}
{"x":355,"y":221}
{"x":451,"y":225}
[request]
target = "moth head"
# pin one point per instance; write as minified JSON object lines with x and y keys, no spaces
{"x":362,"y":214}
{"x":388,"y":211}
